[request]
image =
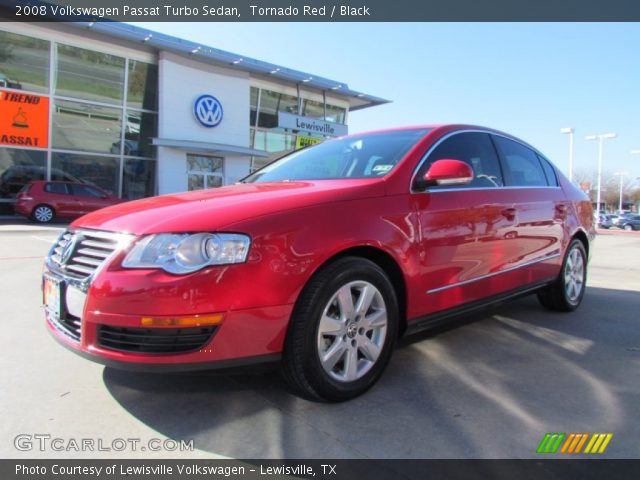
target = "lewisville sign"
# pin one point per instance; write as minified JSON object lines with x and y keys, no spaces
{"x":311,"y":125}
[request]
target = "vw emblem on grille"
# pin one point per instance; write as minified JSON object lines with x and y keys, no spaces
{"x":68,"y":249}
{"x":208,"y":111}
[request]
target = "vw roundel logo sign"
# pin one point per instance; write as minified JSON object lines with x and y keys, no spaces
{"x":208,"y":111}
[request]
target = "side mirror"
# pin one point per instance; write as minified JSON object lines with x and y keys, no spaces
{"x":447,"y":172}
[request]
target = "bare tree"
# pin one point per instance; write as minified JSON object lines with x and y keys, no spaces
{"x":611,"y":191}
{"x":585,"y":176}
{"x":634,"y":195}
{"x":587,"y":181}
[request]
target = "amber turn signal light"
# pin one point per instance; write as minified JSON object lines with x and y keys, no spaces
{"x":195,"y":321}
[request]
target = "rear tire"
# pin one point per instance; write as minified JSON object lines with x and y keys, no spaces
{"x":628,"y":228}
{"x":342,"y":331}
{"x":43,"y":214}
{"x":567,"y":291}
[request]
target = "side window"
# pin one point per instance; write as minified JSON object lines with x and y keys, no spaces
{"x":84,"y":190}
{"x":474,"y":148}
{"x":521,"y":165}
{"x":58,"y":188}
{"x":549,"y":171}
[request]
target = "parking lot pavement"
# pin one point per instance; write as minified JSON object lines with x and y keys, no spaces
{"x":487,"y":387}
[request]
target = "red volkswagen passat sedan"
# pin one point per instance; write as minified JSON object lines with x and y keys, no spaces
{"x":323,"y":258}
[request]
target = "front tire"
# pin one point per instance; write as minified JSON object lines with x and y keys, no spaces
{"x":628,"y":228}
{"x":566,"y":292}
{"x":342,"y":331}
{"x":42,"y":214}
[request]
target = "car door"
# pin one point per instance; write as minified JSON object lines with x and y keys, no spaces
{"x":58,"y":196}
{"x":464,"y":230}
{"x":89,"y":198}
{"x":541,"y":211}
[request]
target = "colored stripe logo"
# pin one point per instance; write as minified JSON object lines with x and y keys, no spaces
{"x":574,"y":442}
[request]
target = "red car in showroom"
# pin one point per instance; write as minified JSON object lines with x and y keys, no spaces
{"x":321,"y":259}
{"x":43,"y":201}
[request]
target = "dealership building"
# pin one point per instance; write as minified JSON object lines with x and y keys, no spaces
{"x":139,"y":113}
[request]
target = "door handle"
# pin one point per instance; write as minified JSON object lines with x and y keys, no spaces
{"x":561,"y":208}
{"x":509,"y":213}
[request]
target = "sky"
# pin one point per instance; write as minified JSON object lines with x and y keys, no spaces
{"x":527,"y":79}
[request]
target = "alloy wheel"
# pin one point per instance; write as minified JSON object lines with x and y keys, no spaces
{"x":43,"y":214}
{"x":352,"y":331}
{"x":574,"y":275}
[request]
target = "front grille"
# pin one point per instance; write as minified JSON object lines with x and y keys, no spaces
{"x":154,"y":340}
{"x":69,"y":325}
{"x":81,"y":253}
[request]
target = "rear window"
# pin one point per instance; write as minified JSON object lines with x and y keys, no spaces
{"x":522,"y":166}
{"x":59,"y":188}
{"x":549,"y":171}
{"x":26,"y":188}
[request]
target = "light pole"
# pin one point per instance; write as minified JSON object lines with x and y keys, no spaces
{"x":569,"y":131}
{"x":601,"y":138}
{"x":622,"y":174}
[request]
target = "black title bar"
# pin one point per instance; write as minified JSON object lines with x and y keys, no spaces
{"x":321,"y":10}
{"x":543,"y":469}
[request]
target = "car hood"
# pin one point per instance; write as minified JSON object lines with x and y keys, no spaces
{"x":213,"y":209}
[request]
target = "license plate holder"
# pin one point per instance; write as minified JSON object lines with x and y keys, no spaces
{"x":52,"y":295}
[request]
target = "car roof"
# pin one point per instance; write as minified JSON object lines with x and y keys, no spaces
{"x":434,"y":127}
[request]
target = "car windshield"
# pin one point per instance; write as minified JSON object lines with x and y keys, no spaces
{"x":358,"y":156}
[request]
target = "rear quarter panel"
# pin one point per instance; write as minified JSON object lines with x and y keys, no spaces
{"x":580,"y":218}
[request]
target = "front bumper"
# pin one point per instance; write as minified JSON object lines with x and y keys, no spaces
{"x":266,"y":360}
{"x":244,"y":336}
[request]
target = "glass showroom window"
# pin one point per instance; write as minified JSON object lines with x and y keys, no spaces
{"x":336,"y":114}
{"x":253,"y":102}
{"x":89,"y":75}
{"x":19,"y":167}
{"x":204,"y":171}
{"x":271,"y":103}
{"x":24,"y":63}
{"x":82,"y":126}
{"x":139,"y":128}
{"x":102,"y":171}
{"x":274,"y":142}
{"x":138,"y":178}
{"x":313,"y":109}
{"x":140,"y":125}
{"x":142,"y":86}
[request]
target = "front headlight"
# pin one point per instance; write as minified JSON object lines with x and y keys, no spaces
{"x":186,"y":253}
